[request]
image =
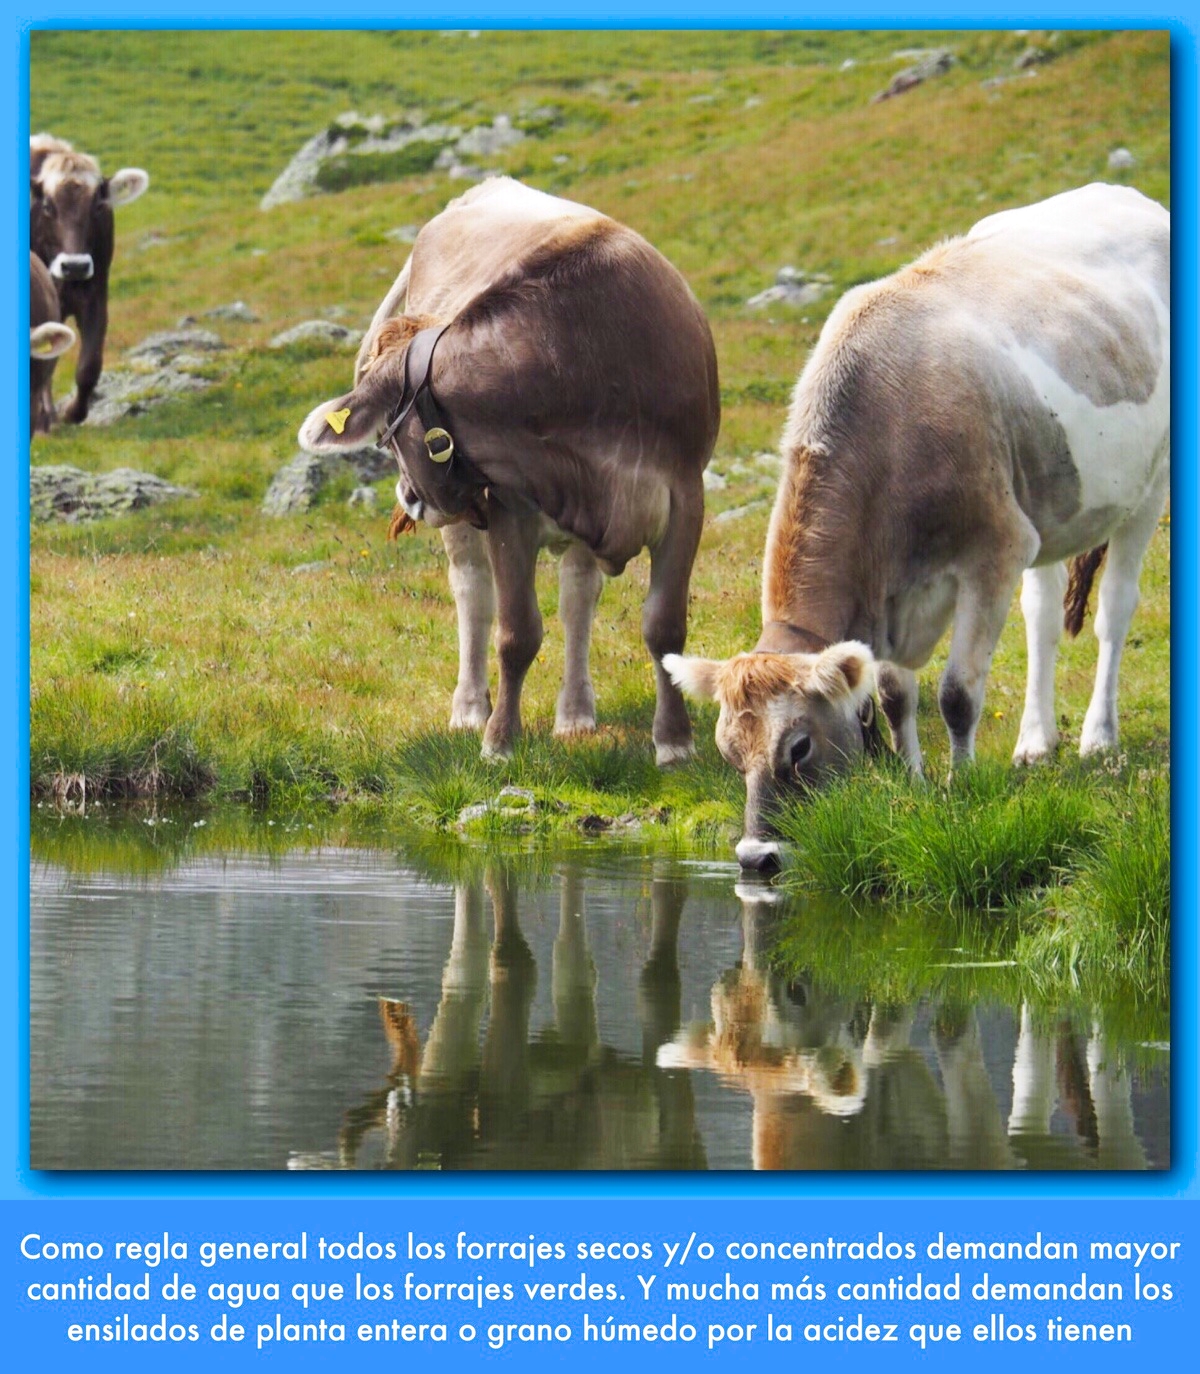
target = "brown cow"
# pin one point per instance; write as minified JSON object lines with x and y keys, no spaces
{"x":71,"y":230}
{"x":993,"y":410}
{"x":572,"y":400}
{"x":49,"y":339}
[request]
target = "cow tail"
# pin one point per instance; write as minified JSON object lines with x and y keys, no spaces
{"x":1083,"y":572}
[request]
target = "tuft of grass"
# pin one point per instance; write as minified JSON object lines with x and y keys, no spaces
{"x":1115,"y":913}
{"x":981,"y":842}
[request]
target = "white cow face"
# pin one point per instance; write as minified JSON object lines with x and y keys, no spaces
{"x":787,"y":723}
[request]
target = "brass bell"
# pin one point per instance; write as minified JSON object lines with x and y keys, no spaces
{"x":439,"y":445}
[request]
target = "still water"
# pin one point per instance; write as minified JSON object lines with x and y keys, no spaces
{"x":344,"y":1009}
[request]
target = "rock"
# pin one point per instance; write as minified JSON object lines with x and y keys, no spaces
{"x":133,"y":391}
{"x":295,"y":486}
{"x":488,"y":140}
{"x":928,"y":65}
{"x":1121,"y":160}
{"x":318,"y":331}
{"x":770,"y":463}
{"x":366,"y":497}
{"x":237,"y":311}
{"x":1032,"y":57}
{"x":370,"y":464}
{"x":792,"y":287}
{"x":737,"y":512}
{"x":405,"y":233}
{"x":473,"y":813}
{"x":301,"y":569}
{"x":58,"y":492}
{"x":347,"y":138}
{"x":594,"y":825}
{"x":166,"y":345}
{"x":713,"y":481}
{"x":517,"y":797}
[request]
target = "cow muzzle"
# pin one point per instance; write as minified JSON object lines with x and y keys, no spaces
{"x":760,"y":856}
{"x":411,"y":502}
{"x":73,"y":267}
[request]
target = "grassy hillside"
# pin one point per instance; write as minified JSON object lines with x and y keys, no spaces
{"x":174,"y":652}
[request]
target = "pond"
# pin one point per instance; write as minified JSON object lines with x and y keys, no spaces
{"x":339,"y":1008}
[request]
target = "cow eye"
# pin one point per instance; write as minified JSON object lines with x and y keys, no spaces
{"x":801,"y":748}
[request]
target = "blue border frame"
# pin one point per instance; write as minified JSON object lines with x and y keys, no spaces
{"x":1180,"y":1181}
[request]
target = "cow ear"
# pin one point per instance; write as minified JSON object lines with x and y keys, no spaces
{"x":697,"y":677}
{"x":342,"y":425}
{"x":127,"y":184}
{"x":50,"y":340}
{"x":844,"y":672}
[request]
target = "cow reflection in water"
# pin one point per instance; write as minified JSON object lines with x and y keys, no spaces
{"x":836,"y":1084}
{"x":490,"y":1095}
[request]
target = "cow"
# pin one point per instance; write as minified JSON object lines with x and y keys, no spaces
{"x":572,"y":401}
{"x":71,"y":230}
{"x":997,"y":408}
{"x":49,"y":339}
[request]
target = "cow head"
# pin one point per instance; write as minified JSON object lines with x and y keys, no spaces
{"x":431,"y":488}
{"x":787,"y":722}
{"x":71,"y":209}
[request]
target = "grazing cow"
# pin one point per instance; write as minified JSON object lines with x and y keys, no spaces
{"x":572,"y":400}
{"x":993,"y":410}
{"x":49,"y":339}
{"x":71,"y":230}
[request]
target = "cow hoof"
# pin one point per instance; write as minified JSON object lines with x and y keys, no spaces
{"x":667,"y":754}
{"x":1030,"y":755}
{"x":1093,"y":743}
{"x":496,"y":753}
{"x":565,"y":728}
{"x":470,"y":714}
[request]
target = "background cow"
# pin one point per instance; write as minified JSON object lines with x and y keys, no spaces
{"x":987,"y":413}
{"x":579,"y":379}
{"x":49,"y":339}
{"x":71,"y":230}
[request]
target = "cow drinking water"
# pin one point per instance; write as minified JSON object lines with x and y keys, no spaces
{"x":993,"y":410}
{"x":549,"y":379}
{"x":71,"y":230}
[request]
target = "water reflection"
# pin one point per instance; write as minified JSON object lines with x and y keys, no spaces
{"x":487,"y":1088}
{"x":344,"y":1011}
{"x":839,"y":1084}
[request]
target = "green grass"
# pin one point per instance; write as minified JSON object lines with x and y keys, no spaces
{"x":174,"y":655}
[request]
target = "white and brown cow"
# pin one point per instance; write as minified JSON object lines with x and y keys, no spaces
{"x":572,"y":400}
{"x":49,"y":339}
{"x":71,"y":230}
{"x":993,"y":410}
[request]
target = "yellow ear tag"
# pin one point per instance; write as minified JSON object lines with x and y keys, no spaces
{"x":337,"y":419}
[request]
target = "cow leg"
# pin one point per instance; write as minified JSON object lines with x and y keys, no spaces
{"x":1117,"y":603}
{"x":980,"y":611}
{"x":1042,"y":591}
{"x":512,"y":545}
{"x":898,"y":698}
{"x":664,"y":621}
{"x":93,"y":325}
{"x":475,"y":602}
{"x":579,"y":584}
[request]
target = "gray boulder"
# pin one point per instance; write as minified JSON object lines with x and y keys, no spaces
{"x":1121,"y":160}
{"x":318,"y":331}
{"x":792,"y":287}
{"x":295,"y":486}
{"x":928,"y":65}
{"x":168,"y":344}
{"x":58,"y":492}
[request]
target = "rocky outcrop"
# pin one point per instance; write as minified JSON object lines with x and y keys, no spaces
{"x":792,"y":287}
{"x":170,"y":363}
{"x":356,"y":151}
{"x":318,"y":332}
{"x":296,"y":485}
{"x":58,"y":492}
{"x":928,"y":65}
